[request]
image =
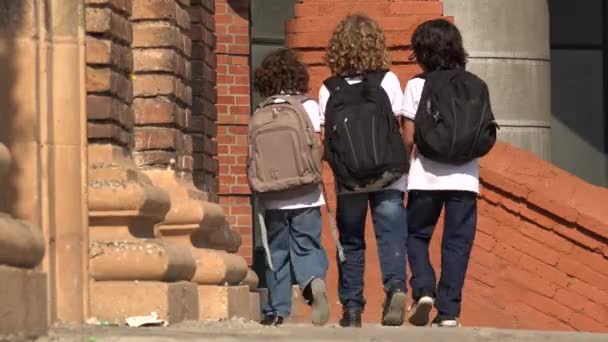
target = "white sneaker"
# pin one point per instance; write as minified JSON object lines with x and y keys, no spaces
{"x":446,"y":322}
{"x":420,"y":310}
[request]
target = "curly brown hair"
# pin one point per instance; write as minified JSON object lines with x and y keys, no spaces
{"x":281,"y":71}
{"x":357,"y":45}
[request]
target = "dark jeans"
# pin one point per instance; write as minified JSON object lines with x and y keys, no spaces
{"x":294,"y":239}
{"x":424,"y":208}
{"x":390,"y":220}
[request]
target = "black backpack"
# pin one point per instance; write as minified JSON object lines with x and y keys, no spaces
{"x":454,"y":123}
{"x":363,"y":144}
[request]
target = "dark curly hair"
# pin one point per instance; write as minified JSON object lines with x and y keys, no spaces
{"x":281,"y":71}
{"x":438,"y":45}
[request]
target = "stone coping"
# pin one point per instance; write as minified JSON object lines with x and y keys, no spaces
{"x":547,"y":195}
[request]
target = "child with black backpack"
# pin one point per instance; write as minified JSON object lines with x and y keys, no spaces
{"x":284,"y":171}
{"x":364,"y":147}
{"x":450,"y":126}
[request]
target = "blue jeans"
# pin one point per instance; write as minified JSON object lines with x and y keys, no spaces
{"x":424,"y":208}
{"x":294,"y":238}
{"x":390,"y":224}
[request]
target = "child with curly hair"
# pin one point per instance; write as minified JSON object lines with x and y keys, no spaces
{"x":360,"y":97}
{"x":292,"y":217}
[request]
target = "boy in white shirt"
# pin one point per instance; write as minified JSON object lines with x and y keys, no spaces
{"x":357,"y":54}
{"x":432,"y":185}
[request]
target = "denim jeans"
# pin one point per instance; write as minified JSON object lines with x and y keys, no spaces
{"x":390,"y":219}
{"x":424,"y":208}
{"x":294,"y":238}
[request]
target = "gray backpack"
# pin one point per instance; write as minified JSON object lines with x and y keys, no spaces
{"x":283,"y":150}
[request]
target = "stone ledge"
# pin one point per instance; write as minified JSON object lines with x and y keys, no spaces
{"x":223,"y":302}
{"x":116,"y":300}
{"x":24,"y":302}
{"x":548,"y":192}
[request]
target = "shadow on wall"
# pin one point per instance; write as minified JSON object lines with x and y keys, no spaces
{"x":240,"y":7}
{"x":11,"y":20}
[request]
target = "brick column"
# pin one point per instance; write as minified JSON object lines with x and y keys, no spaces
{"x":204,"y":96}
{"x":234,"y":109}
{"x":125,"y":207}
{"x":172,"y":144}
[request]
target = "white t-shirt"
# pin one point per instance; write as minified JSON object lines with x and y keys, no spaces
{"x":392,"y":86}
{"x":307,"y":199}
{"x":426,"y":174}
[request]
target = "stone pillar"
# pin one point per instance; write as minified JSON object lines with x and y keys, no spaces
{"x":23,"y":291}
{"x":171,"y":144}
{"x":133,"y":272}
{"x":508,"y":45}
{"x":43,"y":124}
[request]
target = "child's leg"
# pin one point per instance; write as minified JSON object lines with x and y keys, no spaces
{"x":309,"y":261}
{"x":308,"y":257}
{"x":351,"y":213}
{"x":458,"y":237}
{"x":390,"y":224}
{"x":423,"y":210}
{"x":279,"y":280}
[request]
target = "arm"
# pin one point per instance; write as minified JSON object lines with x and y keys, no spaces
{"x":321,"y":140}
{"x":408,"y":135}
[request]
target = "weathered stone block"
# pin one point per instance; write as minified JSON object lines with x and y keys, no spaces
{"x":107,"y":52}
{"x":158,"y":110}
{"x":162,"y":85}
{"x":157,"y":138}
{"x":161,"y":10}
{"x":24,"y":302}
{"x":160,"y":34}
{"x":108,"y":23}
{"x":162,"y":60}
{"x":105,"y":80}
{"x":100,"y":107}
{"x":108,"y":131}
{"x":255,"y":310}
{"x":117,"y":300}
{"x":223,"y":302}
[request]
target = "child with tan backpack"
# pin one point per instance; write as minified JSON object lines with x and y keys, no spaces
{"x":284,"y":171}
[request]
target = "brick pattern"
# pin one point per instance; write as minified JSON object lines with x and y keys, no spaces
{"x":162,"y":90}
{"x":233,"y":111}
{"x":109,"y":66}
{"x":204,"y":96}
{"x":315,"y":21}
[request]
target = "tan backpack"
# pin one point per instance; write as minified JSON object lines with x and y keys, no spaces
{"x":283,"y":150}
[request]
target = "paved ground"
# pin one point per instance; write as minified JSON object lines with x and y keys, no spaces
{"x":252,"y":332}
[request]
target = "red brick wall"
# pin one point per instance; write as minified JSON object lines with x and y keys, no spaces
{"x":315,"y":21}
{"x":233,"y":109}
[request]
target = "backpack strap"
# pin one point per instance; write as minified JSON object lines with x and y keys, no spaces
{"x":335,"y":82}
{"x":376,"y":77}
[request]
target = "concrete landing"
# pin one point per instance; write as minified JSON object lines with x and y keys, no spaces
{"x":236,"y":330}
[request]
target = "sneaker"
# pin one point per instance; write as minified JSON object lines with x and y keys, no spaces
{"x":394,"y":309}
{"x":351,"y":318}
{"x":446,"y":322}
{"x":420,"y":310}
{"x":320,"y":304}
{"x":272,"y":320}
